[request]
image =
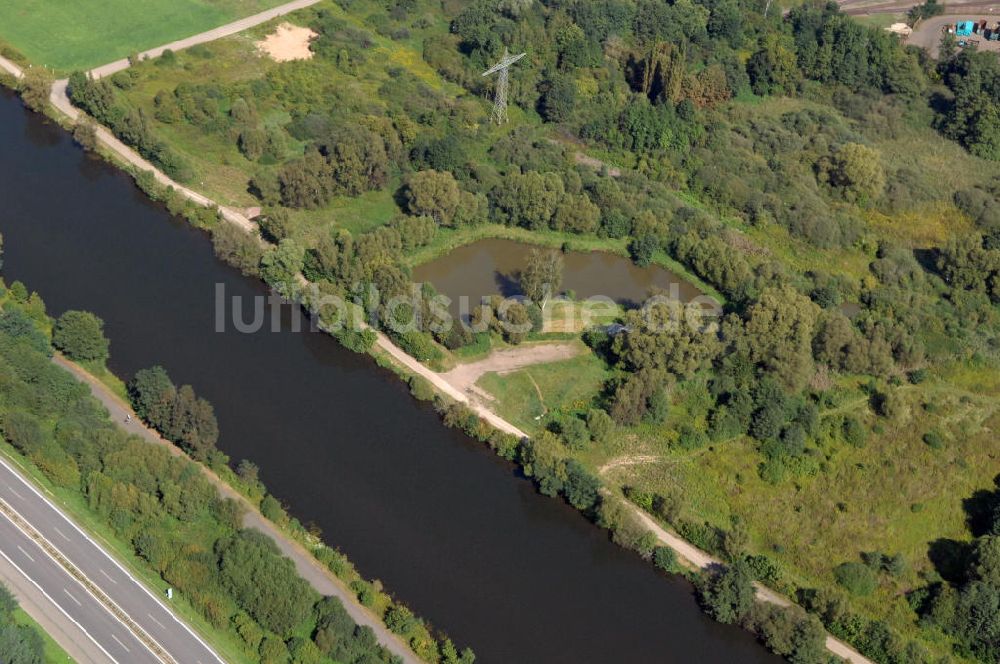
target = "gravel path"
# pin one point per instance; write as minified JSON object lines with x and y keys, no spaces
{"x":698,"y":558}
{"x":210,"y":35}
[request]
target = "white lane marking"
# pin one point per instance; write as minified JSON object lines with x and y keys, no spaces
{"x":26,"y":554}
{"x":120,"y":643}
{"x":72,"y":598}
{"x":208,"y":648}
{"x":155,"y":620}
{"x":103,"y":603}
{"x":11,"y":489}
{"x":56,"y":604}
{"x":61,"y":534}
{"x":106,"y":575}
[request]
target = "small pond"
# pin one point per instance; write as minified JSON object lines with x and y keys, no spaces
{"x":490,"y":267}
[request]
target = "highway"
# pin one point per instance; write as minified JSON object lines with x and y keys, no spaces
{"x":25,"y":517}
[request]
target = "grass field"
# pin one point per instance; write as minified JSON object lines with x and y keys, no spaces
{"x":66,"y":34}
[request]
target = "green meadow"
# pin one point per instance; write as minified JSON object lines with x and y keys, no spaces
{"x":65,"y":35}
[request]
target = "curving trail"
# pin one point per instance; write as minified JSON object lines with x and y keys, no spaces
{"x":701,"y":560}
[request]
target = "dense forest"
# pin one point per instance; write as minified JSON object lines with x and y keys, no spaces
{"x":837,"y":189}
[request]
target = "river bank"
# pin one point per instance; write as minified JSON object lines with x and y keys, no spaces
{"x":528,"y":543}
{"x":402,"y":362}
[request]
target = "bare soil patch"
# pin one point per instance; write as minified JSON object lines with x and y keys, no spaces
{"x":288,"y":42}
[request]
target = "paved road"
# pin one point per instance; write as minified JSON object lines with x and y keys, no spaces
{"x":80,"y":620}
{"x":141,"y":606}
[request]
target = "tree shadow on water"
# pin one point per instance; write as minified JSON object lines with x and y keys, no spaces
{"x":509,"y":285}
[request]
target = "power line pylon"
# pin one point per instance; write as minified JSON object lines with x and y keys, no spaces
{"x":503,"y":83}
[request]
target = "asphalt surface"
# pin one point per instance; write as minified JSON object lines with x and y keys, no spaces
{"x":116,"y":641}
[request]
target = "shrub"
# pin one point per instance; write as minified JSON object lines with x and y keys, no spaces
{"x":934,"y":440}
{"x":574,"y":433}
{"x":665,"y":558}
{"x":600,"y":425}
{"x":856,"y":577}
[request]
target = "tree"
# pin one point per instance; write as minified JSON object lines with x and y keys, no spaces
{"x":542,"y":275}
{"x":80,"y":335}
{"x":727,"y":594}
{"x":857,"y":170}
{"x":581,"y":488}
{"x":35,"y":87}
{"x":779,"y":331}
{"x":773,"y":69}
{"x":85,"y":134}
{"x":152,"y":394}
{"x":600,"y":425}
{"x":791,"y":633}
{"x":528,"y":200}
{"x":574,"y":432}
{"x":434,"y":194}
{"x":264,"y":583}
{"x":576,"y":214}
{"x":559,"y":99}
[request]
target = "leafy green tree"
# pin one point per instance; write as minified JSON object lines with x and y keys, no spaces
{"x":152,"y":394}
{"x":434,"y":194}
{"x":80,"y":335}
{"x":600,"y":425}
{"x":581,"y":488}
{"x":35,"y":86}
{"x":542,"y":275}
{"x":264,"y":583}
{"x":773,"y":69}
{"x":857,"y":170}
{"x":528,"y":200}
{"x":574,"y":432}
{"x":559,"y":99}
{"x":791,"y":633}
{"x":727,"y":594}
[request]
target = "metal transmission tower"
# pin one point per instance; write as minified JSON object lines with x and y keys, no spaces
{"x":503,"y":83}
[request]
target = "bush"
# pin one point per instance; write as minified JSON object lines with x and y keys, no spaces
{"x":665,"y":558}
{"x":85,"y":135}
{"x":791,"y":633}
{"x":600,"y":425}
{"x":857,"y":578}
{"x":574,"y":433}
{"x":80,"y":335}
{"x":933,"y":440}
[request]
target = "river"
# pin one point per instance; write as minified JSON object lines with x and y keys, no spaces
{"x":446,"y":525}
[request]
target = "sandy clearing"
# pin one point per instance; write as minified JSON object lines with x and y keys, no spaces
{"x":288,"y":42}
{"x":464,"y":376}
